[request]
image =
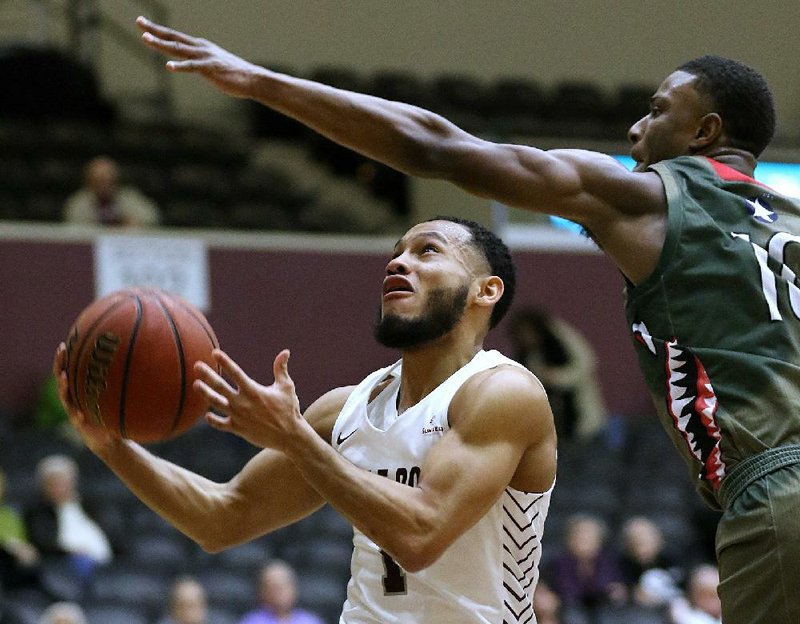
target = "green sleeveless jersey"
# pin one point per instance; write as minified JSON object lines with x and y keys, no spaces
{"x":717,"y":324}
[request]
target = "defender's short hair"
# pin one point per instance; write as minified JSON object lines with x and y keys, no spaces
{"x":740,"y":96}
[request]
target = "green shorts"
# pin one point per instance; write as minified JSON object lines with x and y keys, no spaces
{"x":758,"y":540}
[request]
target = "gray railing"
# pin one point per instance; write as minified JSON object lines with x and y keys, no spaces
{"x":87,"y":21}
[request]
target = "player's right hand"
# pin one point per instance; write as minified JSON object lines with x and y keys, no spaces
{"x":95,"y":436}
{"x":227,"y":72}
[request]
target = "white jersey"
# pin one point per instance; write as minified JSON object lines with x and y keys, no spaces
{"x":488,"y":574}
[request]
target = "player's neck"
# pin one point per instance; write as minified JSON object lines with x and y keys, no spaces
{"x":738,"y":159}
{"x":425,"y":368}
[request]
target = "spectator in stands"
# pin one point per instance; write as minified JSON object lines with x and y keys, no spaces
{"x":19,"y":559}
{"x":566,"y":364}
{"x":702,"y":604}
{"x":187,"y":603}
{"x":546,"y":604}
{"x":643,"y":554}
{"x":278,"y":597}
{"x":63,"y":613}
{"x":587,"y":573}
{"x":102,"y":200}
{"x":60,"y":525}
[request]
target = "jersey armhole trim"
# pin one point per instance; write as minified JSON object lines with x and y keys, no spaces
{"x":672,"y":235}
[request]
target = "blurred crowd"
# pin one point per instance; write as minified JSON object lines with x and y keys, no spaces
{"x":595,"y":575}
{"x":56,"y":545}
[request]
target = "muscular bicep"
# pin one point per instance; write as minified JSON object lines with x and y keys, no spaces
{"x":625,"y":212}
{"x":587,"y":187}
{"x":497,"y":427}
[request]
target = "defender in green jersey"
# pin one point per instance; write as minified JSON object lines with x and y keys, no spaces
{"x":709,"y":256}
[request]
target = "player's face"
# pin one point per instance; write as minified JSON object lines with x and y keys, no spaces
{"x":427,"y":284}
{"x":443,"y":310}
{"x":676,"y":111}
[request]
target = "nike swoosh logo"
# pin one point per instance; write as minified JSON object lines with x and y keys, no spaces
{"x":340,"y":439}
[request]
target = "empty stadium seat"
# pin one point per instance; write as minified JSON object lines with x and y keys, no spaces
{"x":246,"y":559}
{"x":143,"y":589}
{"x":630,"y":614}
{"x":322,"y":594}
{"x":229,"y":589}
{"x":111,"y":614}
{"x":164,"y":552}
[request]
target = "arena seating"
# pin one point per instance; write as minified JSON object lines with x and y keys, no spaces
{"x":204,"y":177}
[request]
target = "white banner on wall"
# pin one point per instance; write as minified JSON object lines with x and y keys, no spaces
{"x":179,"y":265}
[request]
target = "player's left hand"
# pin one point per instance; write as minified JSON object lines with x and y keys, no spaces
{"x":266,"y":416}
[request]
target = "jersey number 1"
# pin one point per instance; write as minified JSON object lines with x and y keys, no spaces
{"x":394,"y":580}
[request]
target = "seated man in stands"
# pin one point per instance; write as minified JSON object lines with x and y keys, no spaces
{"x":102,"y":200}
{"x":61,"y":526}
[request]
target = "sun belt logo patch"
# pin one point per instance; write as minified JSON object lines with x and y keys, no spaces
{"x":692,"y":403}
{"x":760,"y":210}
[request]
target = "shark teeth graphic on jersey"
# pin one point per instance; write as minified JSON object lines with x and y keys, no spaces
{"x":692,"y":403}
{"x":642,"y":334}
{"x":760,"y":210}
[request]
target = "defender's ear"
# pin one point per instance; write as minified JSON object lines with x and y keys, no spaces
{"x":709,"y":132}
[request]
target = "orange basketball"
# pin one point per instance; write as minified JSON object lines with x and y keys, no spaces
{"x":130,"y":363}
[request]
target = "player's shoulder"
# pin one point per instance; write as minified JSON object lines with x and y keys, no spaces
{"x":323,"y":412}
{"x":503,"y":378}
{"x":500,"y":389}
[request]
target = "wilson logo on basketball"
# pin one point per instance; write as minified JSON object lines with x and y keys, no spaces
{"x":97,"y":372}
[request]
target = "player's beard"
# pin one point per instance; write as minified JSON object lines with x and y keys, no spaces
{"x":442,"y":312}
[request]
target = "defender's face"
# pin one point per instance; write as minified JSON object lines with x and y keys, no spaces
{"x":676,"y":111}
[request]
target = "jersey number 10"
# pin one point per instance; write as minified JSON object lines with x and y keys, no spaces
{"x":776,"y":249}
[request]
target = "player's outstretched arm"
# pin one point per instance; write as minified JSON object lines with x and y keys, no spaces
{"x":268,"y":493}
{"x":590,"y":188}
{"x":501,"y":433}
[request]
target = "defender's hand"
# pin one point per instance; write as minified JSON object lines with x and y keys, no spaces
{"x":227,"y":72}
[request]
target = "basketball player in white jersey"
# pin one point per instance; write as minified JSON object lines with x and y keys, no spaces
{"x":444,"y":462}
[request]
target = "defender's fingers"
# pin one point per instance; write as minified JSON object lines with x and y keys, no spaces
{"x":163,"y":32}
{"x":188,"y":66}
{"x":172,"y":48}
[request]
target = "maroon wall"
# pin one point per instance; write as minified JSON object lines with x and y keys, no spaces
{"x":319,"y":305}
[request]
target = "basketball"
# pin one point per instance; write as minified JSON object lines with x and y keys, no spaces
{"x":130,"y":363}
